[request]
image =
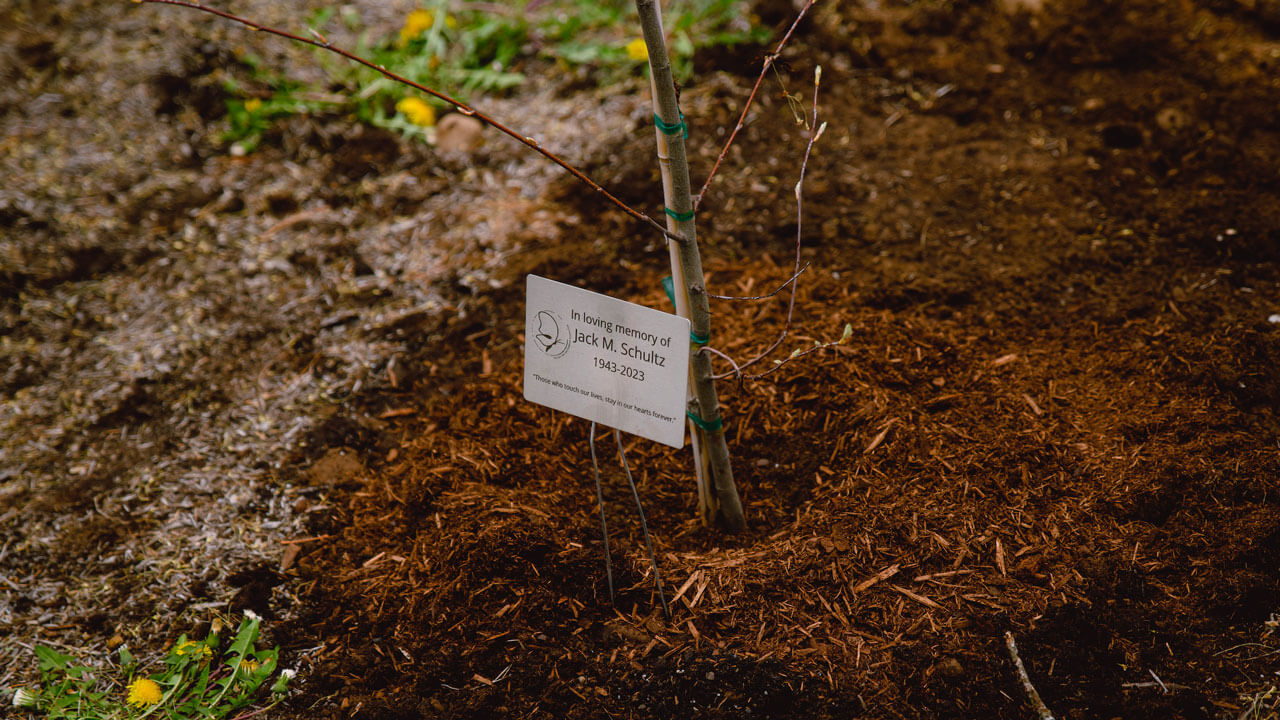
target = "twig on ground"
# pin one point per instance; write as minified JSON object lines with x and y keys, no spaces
{"x":1267,"y":701}
{"x":1167,"y":687}
{"x":1032,"y":696}
{"x":320,"y":42}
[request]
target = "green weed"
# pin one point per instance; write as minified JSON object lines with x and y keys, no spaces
{"x":468,"y":52}
{"x":198,"y":682}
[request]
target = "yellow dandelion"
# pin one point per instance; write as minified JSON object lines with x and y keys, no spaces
{"x":418,"y":22}
{"x":144,"y":691}
{"x":249,"y":666}
{"x":253,"y":104}
{"x":417,"y":111}
{"x":637,"y":50}
{"x":191,"y":647}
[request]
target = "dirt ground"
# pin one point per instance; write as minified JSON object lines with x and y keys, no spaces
{"x":291,"y":381}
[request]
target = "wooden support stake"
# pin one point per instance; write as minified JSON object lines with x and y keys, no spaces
{"x":717,"y":491}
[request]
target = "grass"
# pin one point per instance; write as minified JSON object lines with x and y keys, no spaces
{"x":467,"y":51}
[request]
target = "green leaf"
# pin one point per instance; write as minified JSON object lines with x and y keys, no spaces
{"x":245,"y":636}
{"x":51,"y":659}
{"x":281,"y":684}
{"x":202,"y":682}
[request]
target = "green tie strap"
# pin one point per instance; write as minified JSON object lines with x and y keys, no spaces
{"x":678,"y":216}
{"x":669,"y":285}
{"x":716,"y":426}
{"x":671,"y":128}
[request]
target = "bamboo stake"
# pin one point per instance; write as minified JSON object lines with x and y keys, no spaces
{"x":708,"y":502}
{"x":711,"y":453}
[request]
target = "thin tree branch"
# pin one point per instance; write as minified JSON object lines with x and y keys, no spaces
{"x":736,"y":369}
{"x":795,"y":276}
{"x":320,"y":42}
{"x":764,"y":70}
{"x":791,"y":303}
{"x":793,"y":356}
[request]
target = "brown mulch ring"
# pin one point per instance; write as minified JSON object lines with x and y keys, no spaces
{"x":1052,"y":227}
{"x":1056,"y":417}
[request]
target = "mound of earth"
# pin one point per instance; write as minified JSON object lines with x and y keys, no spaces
{"x":291,"y":382}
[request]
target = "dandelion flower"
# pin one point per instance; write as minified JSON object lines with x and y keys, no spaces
{"x":282,"y":682}
{"x":24,"y":698}
{"x":191,"y":647}
{"x":249,"y":666}
{"x":253,"y":105}
{"x":418,"y":22}
{"x":637,"y":50}
{"x":417,"y":111}
{"x":144,"y":691}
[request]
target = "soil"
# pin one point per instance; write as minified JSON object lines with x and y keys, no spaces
{"x":291,"y":381}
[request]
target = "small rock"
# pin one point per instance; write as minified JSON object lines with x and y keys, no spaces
{"x":951,"y":669}
{"x":618,"y":631}
{"x":459,"y":132}
{"x":1274,"y":319}
{"x":337,"y":466}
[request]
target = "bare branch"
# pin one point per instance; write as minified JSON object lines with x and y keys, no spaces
{"x":791,"y":303}
{"x":736,"y":369}
{"x":793,"y":356}
{"x":795,"y":276}
{"x":764,"y":70}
